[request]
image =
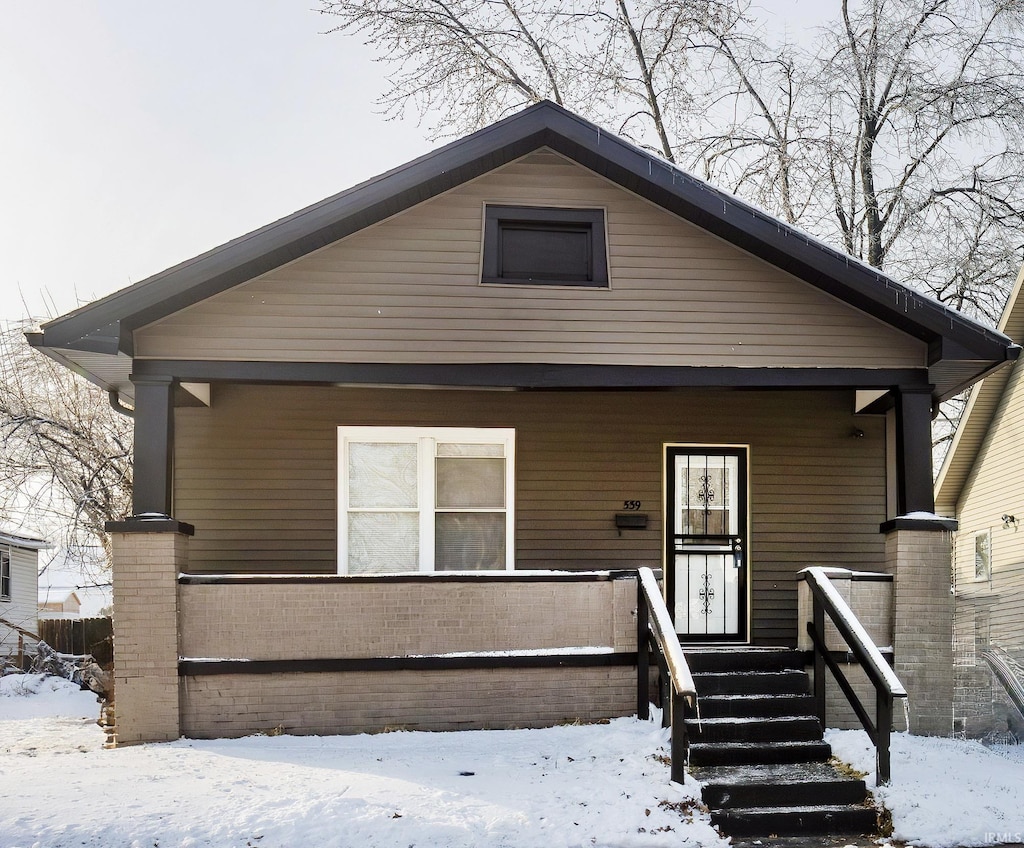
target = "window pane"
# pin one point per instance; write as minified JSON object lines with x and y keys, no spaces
{"x":454,"y":449}
{"x":470,"y":483}
{"x":469,"y":541}
{"x":381,"y":475}
{"x":383,"y":542}
{"x":545,"y":252}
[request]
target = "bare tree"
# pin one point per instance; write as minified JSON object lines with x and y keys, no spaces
{"x":65,"y":455}
{"x":895,"y":135}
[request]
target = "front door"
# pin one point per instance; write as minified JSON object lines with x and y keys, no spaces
{"x":706,"y":541}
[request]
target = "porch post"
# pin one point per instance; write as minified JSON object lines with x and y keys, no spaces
{"x":149,"y":553}
{"x":918,"y":555}
{"x":914,"y":491}
{"x":154,"y":445}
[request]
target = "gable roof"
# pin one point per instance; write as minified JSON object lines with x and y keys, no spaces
{"x":984,"y":401}
{"x":96,"y":340}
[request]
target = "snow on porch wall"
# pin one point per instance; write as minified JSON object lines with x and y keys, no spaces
{"x":288,"y":621}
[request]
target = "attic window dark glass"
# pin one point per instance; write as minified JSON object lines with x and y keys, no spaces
{"x":544,"y":246}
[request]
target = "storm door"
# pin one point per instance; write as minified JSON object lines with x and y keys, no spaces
{"x":706,"y":541}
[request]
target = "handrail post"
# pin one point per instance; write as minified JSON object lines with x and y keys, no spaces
{"x":819,"y":660}
{"x":643,"y":657}
{"x":680,"y":748}
{"x":883,"y":728}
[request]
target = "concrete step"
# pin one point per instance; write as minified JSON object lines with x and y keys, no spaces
{"x":757,"y":753}
{"x":786,"y":785}
{"x":757,"y":729}
{"x":720,"y":706}
{"x":743,"y":659}
{"x":790,"y":682}
{"x":797,"y":820}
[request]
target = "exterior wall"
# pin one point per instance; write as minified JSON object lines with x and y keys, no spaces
{"x":21,"y":608}
{"x":146,"y":567}
{"x":256,"y":473}
{"x":408,"y":290}
{"x":919,"y":561}
{"x":990,"y":611}
{"x":346,"y":618}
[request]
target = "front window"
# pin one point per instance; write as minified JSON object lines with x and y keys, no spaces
{"x":5,"y":575}
{"x":425,"y":499}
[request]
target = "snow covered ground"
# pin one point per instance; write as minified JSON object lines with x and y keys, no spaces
{"x":598,"y":785}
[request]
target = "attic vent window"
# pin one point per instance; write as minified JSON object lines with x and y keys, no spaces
{"x":541,"y":246}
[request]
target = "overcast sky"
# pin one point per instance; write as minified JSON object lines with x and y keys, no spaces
{"x":136,"y":134}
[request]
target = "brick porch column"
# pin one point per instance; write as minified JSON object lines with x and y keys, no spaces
{"x":918,"y":555}
{"x":149,"y":553}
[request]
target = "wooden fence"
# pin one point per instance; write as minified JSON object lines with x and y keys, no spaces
{"x":80,"y":636}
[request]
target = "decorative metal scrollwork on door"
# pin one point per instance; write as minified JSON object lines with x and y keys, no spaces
{"x":706,"y":594}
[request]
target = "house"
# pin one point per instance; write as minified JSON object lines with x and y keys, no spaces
{"x":981,"y":482}
{"x":399,"y":454}
{"x":19,"y":567}
{"x":59,"y":604}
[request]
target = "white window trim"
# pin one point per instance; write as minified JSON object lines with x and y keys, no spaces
{"x":426,"y":439}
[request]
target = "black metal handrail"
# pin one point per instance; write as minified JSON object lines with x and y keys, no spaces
{"x":826,"y":599}
{"x":653,"y":620}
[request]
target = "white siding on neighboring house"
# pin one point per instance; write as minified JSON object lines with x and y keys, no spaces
{"x":20,"y":608}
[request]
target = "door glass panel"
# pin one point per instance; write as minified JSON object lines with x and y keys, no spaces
{"x":383,"y":542}
{"x":469,"y":541}
{"x":381,"y":475}
{"x":470,"y":482}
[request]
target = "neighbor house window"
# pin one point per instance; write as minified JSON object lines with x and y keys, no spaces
{"x":983,"y":555}
{"x":5,"y":575}
{"x":425,"y":499}
{"x":527,"y":245}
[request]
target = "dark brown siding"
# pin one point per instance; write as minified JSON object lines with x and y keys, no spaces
{"x":256,"y":474}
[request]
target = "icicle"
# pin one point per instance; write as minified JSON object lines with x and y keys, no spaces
{"x":906,"y":711}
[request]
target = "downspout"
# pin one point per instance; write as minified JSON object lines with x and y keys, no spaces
{"x":115,"y":403}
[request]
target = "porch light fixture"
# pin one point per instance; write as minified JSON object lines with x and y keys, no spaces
{"x":1009,"y":520}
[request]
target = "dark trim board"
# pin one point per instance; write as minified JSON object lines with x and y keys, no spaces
{"x":435,"y":577}
{"x":198,"y":668}
{"x":528,"y":375}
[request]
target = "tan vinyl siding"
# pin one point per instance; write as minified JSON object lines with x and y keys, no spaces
{"x":996,"y":488}
{"x":408,"y":290}
{"x":256,"y":474}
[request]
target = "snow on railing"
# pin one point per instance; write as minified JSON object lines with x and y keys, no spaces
{"x":887,"y":685}
{"x":653,"y":619}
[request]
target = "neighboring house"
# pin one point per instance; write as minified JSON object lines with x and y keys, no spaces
{"x":398,"y":455}
{"x":982,"y":483}
{"x":80,"y":571}
{"x":59,"y":604}
{"x":19,"y":567}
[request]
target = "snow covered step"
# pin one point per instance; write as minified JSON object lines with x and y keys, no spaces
{"x":790,"y":682}
{"x":753,"y":753}
{"x":720,"y":706}
{"x":790,"y":784}
{"x":797,"y":820}
{"x":743,"y":659}
{"x":754,"y":729}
